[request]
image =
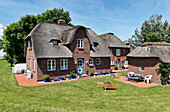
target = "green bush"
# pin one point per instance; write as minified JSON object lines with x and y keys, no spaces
{"x":164,"y":69}
{"x":46,"y":77}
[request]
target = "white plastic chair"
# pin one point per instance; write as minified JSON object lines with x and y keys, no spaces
{"x":148,"y":78}
{"x":130,"y":74}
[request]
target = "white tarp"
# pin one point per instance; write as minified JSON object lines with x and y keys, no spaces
{"x":18,"y":67}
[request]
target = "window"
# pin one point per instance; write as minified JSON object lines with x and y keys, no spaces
{"x":117,"y":52}
{"x":98,"y":61}
{"x":141,"y":69}
{"x":79,"y":63}
{"x":95,"y":44}
{"x":28,"y":63}
{"x":54,"y":42}
{"x":112,"y":62}
{"x":33,"y":64}
{"x":51,"y":65}
{"x":90,"y":61}
{"x":80,"y":43}
{"x":29,"y":44}
{"x":64,"y":64}
{"x":123,"y":51}
{"x":126,"y":62}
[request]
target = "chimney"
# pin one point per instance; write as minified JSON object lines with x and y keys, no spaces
{"x":61,"y":21}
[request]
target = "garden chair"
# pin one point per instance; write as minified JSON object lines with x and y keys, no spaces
{"x":148,"y":78}
{"x":130,"y":74}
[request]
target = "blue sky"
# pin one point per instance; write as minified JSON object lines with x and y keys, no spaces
{"x":120,"y":17}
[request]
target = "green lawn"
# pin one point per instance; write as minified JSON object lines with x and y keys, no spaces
{"x":83,"y":95}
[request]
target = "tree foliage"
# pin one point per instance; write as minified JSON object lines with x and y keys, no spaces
{"x":154,"y":30}
{"x":15,"y":33}
{"x":164,"y":68}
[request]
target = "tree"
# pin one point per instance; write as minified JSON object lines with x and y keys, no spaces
{"x":15,"y":33}
{"x":164,"y":68}
{"x":154,"y":30}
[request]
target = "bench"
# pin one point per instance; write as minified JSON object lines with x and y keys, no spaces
{"x":107,"y":86}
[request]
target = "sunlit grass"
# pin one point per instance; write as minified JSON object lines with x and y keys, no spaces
{"x":81,"y":95}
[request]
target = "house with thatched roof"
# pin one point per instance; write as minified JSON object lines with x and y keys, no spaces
{"x":145,"y":59}
{"x":118,"y":49}
{"x":57,"y":49}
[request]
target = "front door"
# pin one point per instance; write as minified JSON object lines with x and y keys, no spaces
{"x":80,"y":66}
{"x":118,"y":61}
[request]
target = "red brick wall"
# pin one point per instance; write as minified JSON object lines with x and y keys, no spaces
{"x":42,"y":68}
{"x":77,"y":53}
{"x":30,"y":55}
{"x":122,"y":56}
{"x":85,"y":53}
{"x":150,"y":65}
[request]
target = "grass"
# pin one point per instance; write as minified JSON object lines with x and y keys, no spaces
{"x":124,"y":73}
{"x":82,"y":95}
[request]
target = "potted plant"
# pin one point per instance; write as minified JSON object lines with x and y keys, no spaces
{"x":87,"y":72}
{"x":69,"y":77}
{"x":107,"y":72}
{"x":101,"y":73}
{"x":98,"y":73}
{"x":46,"y":78}
{"x":91,"y":74}
{"x":123,"y":67}
{"x":168,"y":82}
{"x":55,"y":79}
{"x":116,"y":68}
{"x":95,"y":73}
{"x":73,"y":76}
{"x":62,"y":77}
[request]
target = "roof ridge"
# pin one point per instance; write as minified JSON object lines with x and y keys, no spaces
{"x":155,"y":43}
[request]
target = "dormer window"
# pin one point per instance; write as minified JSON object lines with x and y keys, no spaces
{"x":95,"y":44}
{"x":54,"y":42}
{"x":80,"y":43}
{"x":29,"y":44}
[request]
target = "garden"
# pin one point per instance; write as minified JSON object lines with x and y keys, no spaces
{"x":80,"y":95}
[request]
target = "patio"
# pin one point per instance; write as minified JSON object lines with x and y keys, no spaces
{"x":133,"y":82}
{"x":23,"y":81}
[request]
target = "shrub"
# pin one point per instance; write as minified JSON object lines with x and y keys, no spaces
{"x":87,"y":72}
{"x":55,"y":79}
{"x":46,"y":77}
{"x":123,"y":67}
{"x":164,"y":69}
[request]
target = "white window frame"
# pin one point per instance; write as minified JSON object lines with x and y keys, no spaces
{"x":65,"y":67}
{"x":140,"y":69}
{"x":118,"y":52}
{"x":112,"y":62}
{"x":33,"y":61}
{"x":98,"y":61}
{"x":29,"y":44}
{"x":51,"y":65}
{"x":91,"y":62}
{"x":80,"y":43}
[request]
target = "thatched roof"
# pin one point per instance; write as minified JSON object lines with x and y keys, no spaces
{"x":44,"y":32}
{"x":112,"y":40}
{"x":160,"y":50}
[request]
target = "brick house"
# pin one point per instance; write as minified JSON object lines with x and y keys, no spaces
{"x":57,"y":49}
{"x":118,"y":49}
{"x":146,"y":58}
